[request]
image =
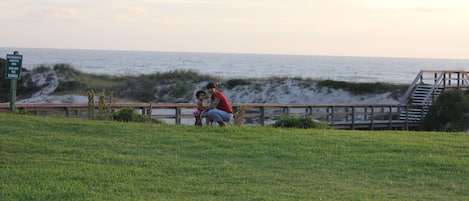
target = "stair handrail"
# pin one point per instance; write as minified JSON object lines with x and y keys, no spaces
{"x":411,"y":88}
{"x":466,"y":80}
{"x":438,"y":82}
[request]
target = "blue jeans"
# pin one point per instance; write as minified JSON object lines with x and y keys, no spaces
{"x":218,"y":116}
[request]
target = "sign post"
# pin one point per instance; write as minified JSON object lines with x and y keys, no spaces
{"x":13,"y":73}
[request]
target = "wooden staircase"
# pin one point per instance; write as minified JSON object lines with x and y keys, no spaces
{"x":423,"y":96}
{"x":422,"y":93}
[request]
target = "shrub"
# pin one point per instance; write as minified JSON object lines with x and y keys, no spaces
{"x":180,"y":89}
{"x":299,"y":122}
{"x":66,"y":69}
{"x":230,"y":84}
{"x":125,"y":114}
{"x":41,"y":69}
{"x":449,"y":112}
{"x":128,"y":114}
{"x":4,"y":83}
{"x":362,"y":88}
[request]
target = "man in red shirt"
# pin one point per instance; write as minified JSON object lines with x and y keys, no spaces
{"x":219,"y":110}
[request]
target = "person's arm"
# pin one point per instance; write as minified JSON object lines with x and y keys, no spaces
{"x":201,"y":105}
{"x":214,"y":103}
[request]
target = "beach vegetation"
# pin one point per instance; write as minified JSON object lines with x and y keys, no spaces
{"x":363,"y":88}
{"x":128,"y":114}
{"x":450,"y":112}
{"x":171,"y":86}
{"x":50,"y":158}
{"x":299,"y":122}
{"x":181,"y":89}
{"x":41,"y":69}
{"x":75,"y":81}
{"x":232,"y":83}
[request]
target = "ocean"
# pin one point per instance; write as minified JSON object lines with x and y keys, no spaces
{"x":231,"y":66}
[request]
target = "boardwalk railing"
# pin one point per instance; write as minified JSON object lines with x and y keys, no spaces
{"x":458,"y":79}
{"x":338,"y":116}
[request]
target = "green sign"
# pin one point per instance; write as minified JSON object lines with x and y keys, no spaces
{"x":13,"y":70}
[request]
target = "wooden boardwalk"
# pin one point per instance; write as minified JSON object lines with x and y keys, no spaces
{"x":341,"y":116}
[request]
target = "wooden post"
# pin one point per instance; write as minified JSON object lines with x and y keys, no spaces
{"x":262,"y":117}
{"x":178,"y":115}
{"x":353,"y":118}
{"x":407,"y":117}
{"x":13,"y":83}
{"x":390,"y":118}
{"x":372,"y":117}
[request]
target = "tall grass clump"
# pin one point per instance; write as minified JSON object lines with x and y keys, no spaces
{"x":363,"y":88}
{"x":77,"y":81}
{"x":104,"y":112}
{"x":104,"y":105}
{"x":239,"y":115}
{"x":232,"y":83}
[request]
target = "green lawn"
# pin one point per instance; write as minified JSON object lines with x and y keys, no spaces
{"x":69,"y":159}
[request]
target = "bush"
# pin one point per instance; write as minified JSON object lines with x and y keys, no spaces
{"x":125,"y":114}
{"x":449,"y":112}
{"x":362,"y":88}
{"x":230,"y":84}
{"x":128,"y":114}
{"x":4,"y":83}
{"x":299,"y":122}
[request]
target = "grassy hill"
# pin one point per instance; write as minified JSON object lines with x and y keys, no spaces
{"x":68,"y":159}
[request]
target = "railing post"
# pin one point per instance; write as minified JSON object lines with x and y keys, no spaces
{"x":353,"y":117}
{"x":444,"y":79}
{"x":178,"y":115}
{"x":67,"y":111}
{"x":421,"y":77}
{"x":449,"y":79}
{"x":262,"y":117}
{"x":142,"y":109}
{"x":286,"y":111}
{"x":372,"y":123}
{"x":407,"y":117}
{"x":308,"y":111}
{"x":390,"y":117}
{"x":346,"y":114}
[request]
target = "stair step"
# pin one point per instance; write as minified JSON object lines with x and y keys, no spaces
{"x":422,"y":96}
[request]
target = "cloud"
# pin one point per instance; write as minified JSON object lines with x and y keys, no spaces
{"x":62,"y":14}
{"x":129,"y":13}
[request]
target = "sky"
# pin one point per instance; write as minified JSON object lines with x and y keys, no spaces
{"x":381,"y":28}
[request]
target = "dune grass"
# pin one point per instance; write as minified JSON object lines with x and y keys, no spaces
{"x":67,"y":159}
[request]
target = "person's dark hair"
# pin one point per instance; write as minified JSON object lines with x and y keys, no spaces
{"x":197,"y":94}
{"x":212,"y":85}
